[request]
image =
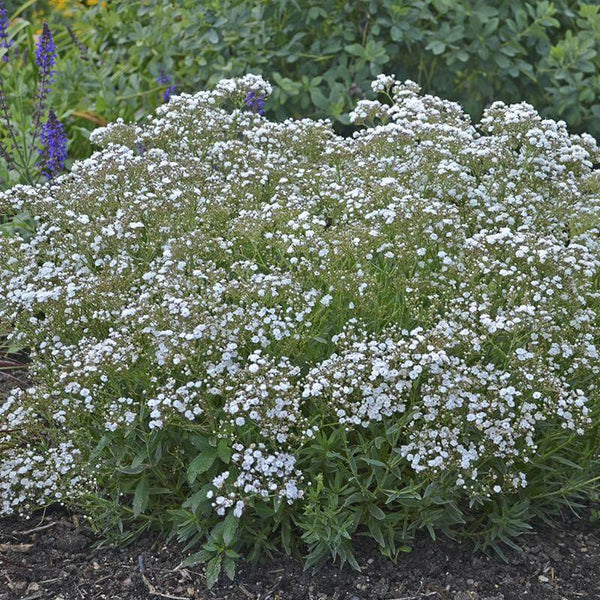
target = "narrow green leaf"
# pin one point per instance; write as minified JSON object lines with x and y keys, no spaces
{"x":230,"y":568}
{"x":202,"y":463}
{"x":231,"y":525}
{"x":376,"y":512}
{"x":213,"y":570}
{"x":140,"y":497}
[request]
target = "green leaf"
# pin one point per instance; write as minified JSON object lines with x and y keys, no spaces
{"x":588,"y":11}
{"x":213,"y":570}
{"x":104,"y":441}
{"x":286,"y":536}
{"x":319,"y":99}
{"x":200,"y":442}
{"x":373,"y":462}
{"x":224,"y":451}
{"x":196,"y":558}
{"x":263,"y":510}
{"x":229,"y":564}
{"x":211,"y":36}
{"x":202,"y":463}
{"x":436,"y":46}
{"x":376,"y":533}
{"x":137,"y":465}
{"x":376,"y":512}
{"x":355,"y":50}
{"x":230,"y":528}
{"x":140,"y":497}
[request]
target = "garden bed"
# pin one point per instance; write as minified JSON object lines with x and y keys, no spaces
{"x":57,"y":561}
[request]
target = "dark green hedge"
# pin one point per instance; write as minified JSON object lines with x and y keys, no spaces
{"x":322,"y":53}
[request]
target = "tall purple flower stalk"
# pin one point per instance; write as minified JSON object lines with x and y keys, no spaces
{"x":45,"y":57}
{"x":53,"y":152}
{"x":164,"y":79}
{"x":48,"y":134}
{"x":45,"y":54}
{"x":5,"y":41}
{"x":255,"y":102}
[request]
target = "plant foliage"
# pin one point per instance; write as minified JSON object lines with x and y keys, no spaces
{"x":263,"y":336}
{"x":323,"y":54}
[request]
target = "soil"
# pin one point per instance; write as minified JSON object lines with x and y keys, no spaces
{"x":53,"y":557}
{"x":10,"y":379}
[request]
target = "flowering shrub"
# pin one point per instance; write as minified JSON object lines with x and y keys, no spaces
{"x":267,"y":336}
{"x":33,"y":142}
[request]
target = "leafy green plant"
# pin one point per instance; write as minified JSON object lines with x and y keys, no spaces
{"x":260,"y":336}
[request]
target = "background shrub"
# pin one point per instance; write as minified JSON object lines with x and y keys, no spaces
{"x":265,"y":336}
{"x":321,"y":54}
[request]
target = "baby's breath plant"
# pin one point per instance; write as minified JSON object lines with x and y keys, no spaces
{"x":262,"y":336}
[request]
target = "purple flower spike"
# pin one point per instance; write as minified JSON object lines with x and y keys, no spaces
{"x":164,"y":79}
{"x":5,"y":41}
{"x":45,"y":57}
{"x":255,"y":102}
{"x":54,"y":147}
{"x":45,"y":53}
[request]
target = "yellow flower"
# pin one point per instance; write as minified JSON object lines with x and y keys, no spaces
{"x":60,"y":5}
{"x":65,"y":6}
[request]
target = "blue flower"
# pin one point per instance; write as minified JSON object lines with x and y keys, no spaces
{"x":164,"y":79}
{"x":45,"y":53}
{"x":54,"y":147}
{"x":255,"y":102}
{"x":5,"y":41}
{"x":45,"y":57}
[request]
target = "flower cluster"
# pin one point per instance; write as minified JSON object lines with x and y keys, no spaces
{"x":46,"y":133}
{"x":166,"y":81}
{"x":255,"y":102}
{"x":34,"y":477}
{"x":267,"y":284}
{"x":53,"y":152}
{"x":259,"y":474}
{"x":45,"y":54}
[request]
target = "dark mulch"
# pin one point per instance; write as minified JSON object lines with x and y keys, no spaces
{"x":53,"y":558}
{"x":9,"y":379}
